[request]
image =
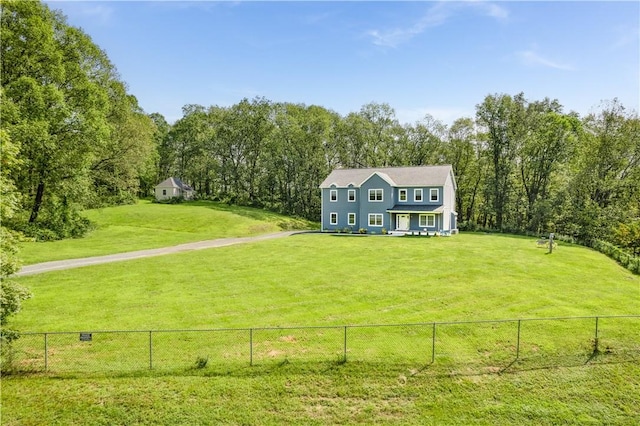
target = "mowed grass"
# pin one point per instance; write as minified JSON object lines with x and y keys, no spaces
{"x":318,"y":280}
{"x":323,"y":280}
{"x":348,"y":394}
{"x":147,"y":225}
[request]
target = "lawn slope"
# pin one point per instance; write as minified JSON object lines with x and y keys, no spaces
{"x":147,"y":225}
{"x":319,"y":279}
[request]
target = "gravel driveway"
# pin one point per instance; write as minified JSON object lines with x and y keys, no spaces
{"x":39,"y":268}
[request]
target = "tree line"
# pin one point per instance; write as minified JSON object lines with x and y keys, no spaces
{"x":521,"y":165}
{"x":73,"y":137}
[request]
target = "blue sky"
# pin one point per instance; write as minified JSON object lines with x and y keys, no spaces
{"x":438,"y":58}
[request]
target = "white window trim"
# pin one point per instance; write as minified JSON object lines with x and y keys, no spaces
{"x":431,"y":195}
{"x":406,"y":195}
{"x":373,"y":215}
{"x":331,"y":192}
{"x":349,"y":217}
{"x":349,"y":192}
{"x":416,"y":192}
{"x":374,"y":191}
{"x":426,"y":218}
{"x":331,"y":216}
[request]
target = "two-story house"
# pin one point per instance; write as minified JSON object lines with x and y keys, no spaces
{"x":396,"y":199}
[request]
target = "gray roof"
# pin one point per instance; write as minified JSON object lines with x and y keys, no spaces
{"x":396,"y":176}
{"x":175,"y":183}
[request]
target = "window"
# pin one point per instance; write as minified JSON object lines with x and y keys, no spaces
{"x":375,"y":219}
{"x":351,"y":219}
{"x":417,"y":195}
{"x":427,"y":221}
{"x":333,"y":218}
{"x":434,"y":194}
{"x":333,"y":195}
{"x":375,"y":195}
{"x":402,"y":196}
{"x":351,"y":195}
{"x":164,"y":192}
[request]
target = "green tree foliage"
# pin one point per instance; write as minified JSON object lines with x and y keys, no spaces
{"x":604,"y":186}
{"x":546,"y":144}
{"x":83,"y":138}
{"x":500,"y":117}
{"x":465,"y":152}
{"x":522,"y":165}
{"x":11,"y":294}
{"x":627,"y":235}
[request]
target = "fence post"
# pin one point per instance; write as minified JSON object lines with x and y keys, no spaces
{"x":596,"y":342}
{"x":251,"y":346}
{"x":518,"y":341}
{"x":344,"y":351}
{"x":433,"y":344}
{"x":150,"y":351}
{"x":46,"y":353}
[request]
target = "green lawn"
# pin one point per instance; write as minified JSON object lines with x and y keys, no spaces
{"x":348,"y":394}
{"x":331,"y":280}
{"x":147,"y":225}
{"x":314,"y":279}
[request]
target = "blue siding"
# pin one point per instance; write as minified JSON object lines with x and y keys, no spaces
{"x":362,"y":207}
{"x":342,"y":207}
{"x":376,"y":207}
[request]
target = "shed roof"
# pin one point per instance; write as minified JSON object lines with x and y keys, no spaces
{"x":399,"y":176}
{"x":174,"y":183}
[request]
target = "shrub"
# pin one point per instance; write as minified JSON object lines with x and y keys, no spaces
{"x":201,"y":362}
{"x":362,"y":231}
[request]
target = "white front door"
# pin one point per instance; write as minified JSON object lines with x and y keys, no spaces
{"x":402,"y":222}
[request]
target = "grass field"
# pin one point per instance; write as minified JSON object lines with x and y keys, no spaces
{"x":147,"y":225}
{"x":327,"y":280}
{"x":314,"y":279}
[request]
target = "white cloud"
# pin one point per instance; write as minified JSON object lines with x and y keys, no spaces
{"x":625,"y":36}
{"x":436,"y":15}
{"x":532,"y":58}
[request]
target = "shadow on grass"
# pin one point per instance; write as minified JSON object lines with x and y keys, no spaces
{"x":354,"y":369}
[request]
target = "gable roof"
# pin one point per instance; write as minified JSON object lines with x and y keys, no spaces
{"x":400,"y":176}
{"x":174,"y":183}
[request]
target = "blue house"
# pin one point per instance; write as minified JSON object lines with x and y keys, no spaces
{"x":396,"y":199}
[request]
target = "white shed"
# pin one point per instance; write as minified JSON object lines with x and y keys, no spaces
{"x":173,"y":187}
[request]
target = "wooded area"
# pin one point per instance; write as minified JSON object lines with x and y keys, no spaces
{"x":74,"y":138}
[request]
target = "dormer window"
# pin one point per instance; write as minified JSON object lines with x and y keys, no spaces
{"x":333,"y":195}
{"x":351,"y":195}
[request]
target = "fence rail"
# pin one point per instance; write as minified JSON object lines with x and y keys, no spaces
{"x":490,"y":343}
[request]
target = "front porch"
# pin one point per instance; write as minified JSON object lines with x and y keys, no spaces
{"x":421,"y":233}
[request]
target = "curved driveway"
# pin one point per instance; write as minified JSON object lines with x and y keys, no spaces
{"x":39,"y":268}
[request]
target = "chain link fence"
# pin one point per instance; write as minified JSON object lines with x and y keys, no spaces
{"x":490,"y":345}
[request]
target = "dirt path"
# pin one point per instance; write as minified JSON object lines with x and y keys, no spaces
{"x":39,"y":268}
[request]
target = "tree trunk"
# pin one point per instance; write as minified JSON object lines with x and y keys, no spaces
{"x":37,"y":203}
